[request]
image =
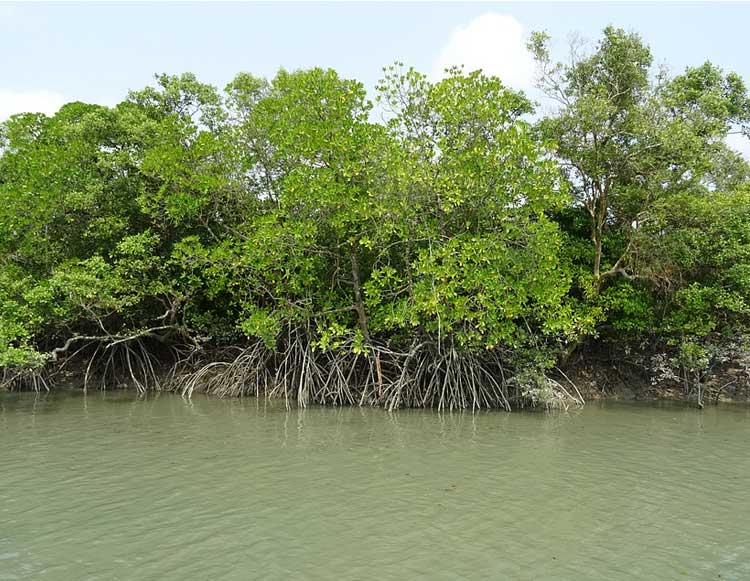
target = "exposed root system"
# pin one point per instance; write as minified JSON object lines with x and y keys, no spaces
{"x":426,"y":375}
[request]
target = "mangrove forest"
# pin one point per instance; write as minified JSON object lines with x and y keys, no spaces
{"x":443,"y":243}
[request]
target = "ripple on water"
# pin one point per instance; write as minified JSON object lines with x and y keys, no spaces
{"x":110,"y":486}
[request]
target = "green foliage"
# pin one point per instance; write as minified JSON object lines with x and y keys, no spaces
{"x":279,"y":213}
{"x":477,"y":258}
{"x":657,"y":235}
{"x":696,"y":250}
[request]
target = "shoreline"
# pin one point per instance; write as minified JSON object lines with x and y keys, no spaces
{"x":594,"y":381}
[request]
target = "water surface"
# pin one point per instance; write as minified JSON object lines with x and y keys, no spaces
{"x":110,"y":486}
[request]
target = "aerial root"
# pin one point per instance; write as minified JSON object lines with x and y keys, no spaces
{"x":424,"y":376}
{"x":25,"y":379}
{"x":428,"y":374}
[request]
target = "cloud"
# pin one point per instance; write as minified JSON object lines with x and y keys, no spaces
{"x":739,"y":143}
{"x":495,"y":43}
{"x":43,"y":101}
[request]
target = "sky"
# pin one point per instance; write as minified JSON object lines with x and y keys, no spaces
{"x":52,"y":53}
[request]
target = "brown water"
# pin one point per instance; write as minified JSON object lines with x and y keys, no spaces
{"x":110,"y":486}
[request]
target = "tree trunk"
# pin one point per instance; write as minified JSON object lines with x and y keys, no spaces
{"x":598,"y":218}
{"x":565,"y":358}
{"x":597,"y":260}
{"x":359,"y":304}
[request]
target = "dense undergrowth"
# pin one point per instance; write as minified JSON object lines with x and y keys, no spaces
{"x":441,"y":246}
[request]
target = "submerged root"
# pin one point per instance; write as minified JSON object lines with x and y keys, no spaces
{"x":447,"y":379}
{"x":24,"y":379}
{"x":299,"y":373}
{"x":230,"y":372}
{"x":118,"y":364}
{"x":535,"y":388}
{"x":427,"y":375}
{"x":422,"y":377}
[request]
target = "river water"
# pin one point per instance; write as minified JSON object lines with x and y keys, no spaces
{"x":112,"y":486}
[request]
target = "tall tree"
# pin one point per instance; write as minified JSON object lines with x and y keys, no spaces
{"x":480,"y":256}
{"x":627,"y":138}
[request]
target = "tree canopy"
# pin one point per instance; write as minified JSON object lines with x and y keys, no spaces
{"x":440,"y":245}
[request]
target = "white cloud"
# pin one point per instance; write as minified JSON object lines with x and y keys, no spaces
{"x":739,"y":143}
{"x":495,"y":43}
{"x":43,"y":101}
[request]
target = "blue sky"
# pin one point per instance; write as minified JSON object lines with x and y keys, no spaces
{"x":56,"y":52}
